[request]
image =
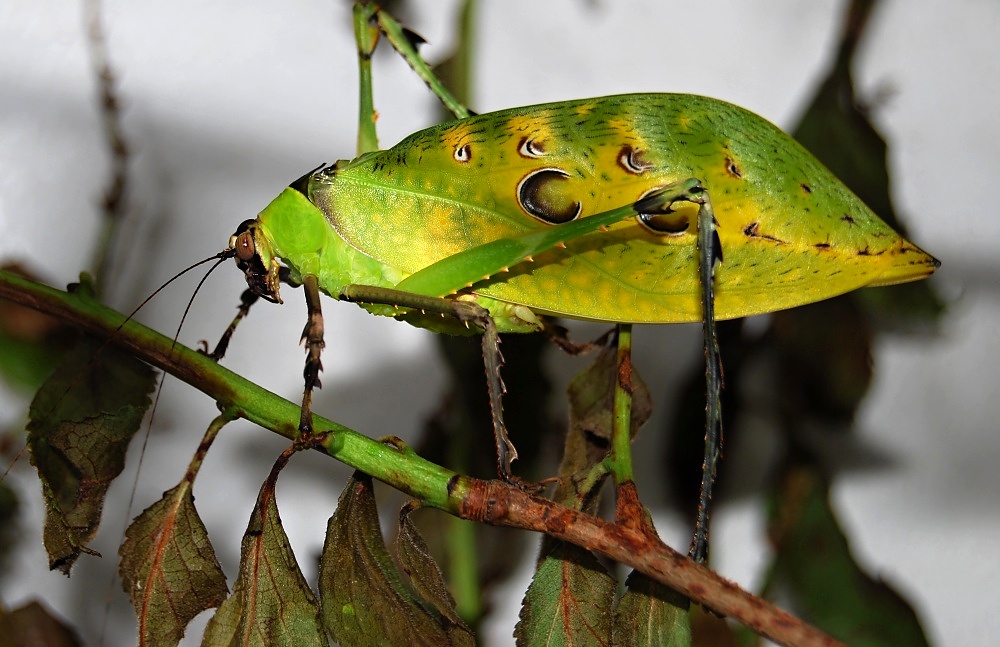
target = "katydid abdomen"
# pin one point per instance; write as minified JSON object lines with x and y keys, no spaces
{"x":790,"y":232}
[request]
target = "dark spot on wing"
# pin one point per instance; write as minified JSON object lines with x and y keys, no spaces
{"x":530,"y":148}
{"x":753,"y":231}
{"x":733,"y":169}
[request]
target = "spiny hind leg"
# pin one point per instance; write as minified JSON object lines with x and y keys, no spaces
{"x":709,"y":256}
{"x":472,"y":314}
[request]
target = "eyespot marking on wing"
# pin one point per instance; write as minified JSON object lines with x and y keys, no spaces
{"x":463,"y":153}
{"x":632,"y":161}
{"x":542,"y":196}
{"x":530,"y":148}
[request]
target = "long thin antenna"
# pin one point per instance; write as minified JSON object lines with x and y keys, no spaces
{"x":222,"y":256}
{"x":159,"y":388}
{"x":219,"y":258}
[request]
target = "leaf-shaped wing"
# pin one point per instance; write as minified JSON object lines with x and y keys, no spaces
{"x":791,"y":233}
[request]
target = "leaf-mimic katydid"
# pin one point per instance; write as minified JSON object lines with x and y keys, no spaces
{"x":641,"y":208}
{"x":588,"y":209}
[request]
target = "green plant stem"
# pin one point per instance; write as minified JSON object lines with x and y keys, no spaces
{"x":463,"y":553}
{"x":366,"y":35}
{"x":403,"y":469}
{"x":621,"y":436}
{"x":492,"y":502}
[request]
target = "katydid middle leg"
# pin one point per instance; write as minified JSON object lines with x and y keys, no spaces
{"x":470,"y":314}
{"x":312,"y":336}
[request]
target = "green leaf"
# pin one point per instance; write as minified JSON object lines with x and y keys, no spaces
{"x":568,"y":602}
{"x":651,"y":614}
{"x":81,"y":422}
{"x":364,"y":600}
{"x":815,"y":569}
{"x":271,"y":603}
{"x":168,"y":567}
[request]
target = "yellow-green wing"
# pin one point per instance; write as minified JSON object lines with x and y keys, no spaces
{"x":791,"y":233}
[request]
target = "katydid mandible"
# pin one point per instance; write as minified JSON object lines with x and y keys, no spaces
{"x":642,"y":208}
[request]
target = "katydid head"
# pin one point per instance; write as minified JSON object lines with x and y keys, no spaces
{"x":253,"y":256}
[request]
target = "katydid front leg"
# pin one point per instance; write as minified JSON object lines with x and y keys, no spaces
{"x":263,"y":277}
{"x":247,"y":300}
{"x":312,"y":335}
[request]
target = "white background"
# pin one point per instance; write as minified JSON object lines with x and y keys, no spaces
{"x":226,"y":102}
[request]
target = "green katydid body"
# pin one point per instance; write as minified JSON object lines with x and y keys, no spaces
{"x":790,"y":232}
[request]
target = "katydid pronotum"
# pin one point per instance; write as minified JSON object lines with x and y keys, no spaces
{"x":644,"y":208}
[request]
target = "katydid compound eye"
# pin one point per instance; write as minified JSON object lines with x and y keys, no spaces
{"x":243,"y":244}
